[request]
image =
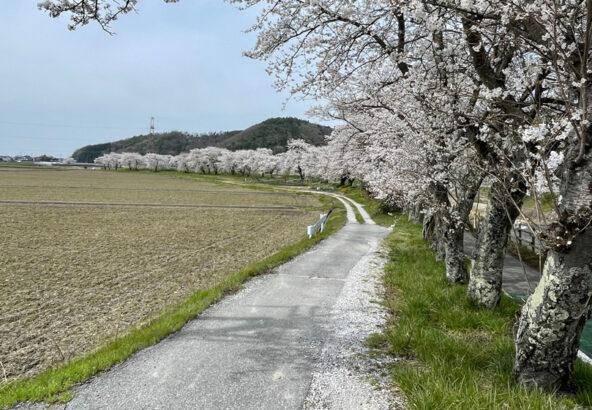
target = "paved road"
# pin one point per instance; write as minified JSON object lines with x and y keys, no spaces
{"x":254,"y":350}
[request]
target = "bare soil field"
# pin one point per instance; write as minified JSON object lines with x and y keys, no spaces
{"x":73,"y":277}
{"x":132,"y":187}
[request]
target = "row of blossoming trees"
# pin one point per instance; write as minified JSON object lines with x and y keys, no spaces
{"x":301,"y":159}
{"x":437,"y":95}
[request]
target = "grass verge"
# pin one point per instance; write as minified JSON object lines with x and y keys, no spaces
{"x":455,"y":355}
{"x":545,"y":202}
{"x":54,"y":384}
{"x":375,"y":208}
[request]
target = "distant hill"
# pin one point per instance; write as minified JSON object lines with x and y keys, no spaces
{"x":273,"y":133}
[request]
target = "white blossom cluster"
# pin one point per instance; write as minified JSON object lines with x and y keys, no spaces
{"x":301,"y":158}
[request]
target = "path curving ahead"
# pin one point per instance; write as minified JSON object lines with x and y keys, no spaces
{"x":257,"y":349}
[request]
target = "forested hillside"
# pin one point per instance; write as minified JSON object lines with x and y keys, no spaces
{"x":273,"y":133}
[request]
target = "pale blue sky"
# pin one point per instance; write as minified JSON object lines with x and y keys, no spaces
{"x":181,"y":63}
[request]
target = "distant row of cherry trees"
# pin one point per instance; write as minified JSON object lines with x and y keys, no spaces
{"x":301,"y":158}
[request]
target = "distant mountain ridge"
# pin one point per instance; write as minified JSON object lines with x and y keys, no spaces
{"x":273,"y":133}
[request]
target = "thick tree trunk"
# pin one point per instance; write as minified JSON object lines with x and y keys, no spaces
{"x":416,"y":214}
{"x":485,"y":282}
{"x":456,"y":271}
{"x":438,"y":243}
{"x":454,"y":260}
{"x":435,"y":225}
{"x":552,"y":319}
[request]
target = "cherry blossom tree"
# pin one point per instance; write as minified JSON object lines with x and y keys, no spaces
{"x":514,"y":67}
{"x":132,"y":160}
{"x":111,"y":160}
{"x":296,"y":156}
{"x":179,"y":162}
{"x":154,"y":162}
{"x":436,"y":95}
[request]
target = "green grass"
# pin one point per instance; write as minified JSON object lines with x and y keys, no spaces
{"x":359,"y":217}
{"x":375,"y":208}
{"x":55,"y":383}
{"x":545,"y":199}
{"x":455,"y":354}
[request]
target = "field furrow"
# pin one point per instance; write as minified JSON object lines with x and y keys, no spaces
{"x":74,"y":276}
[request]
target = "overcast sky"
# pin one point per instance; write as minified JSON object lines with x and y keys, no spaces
{"x":181,"y":63}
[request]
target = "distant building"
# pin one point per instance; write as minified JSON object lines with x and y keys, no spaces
{"x":23,"y":158}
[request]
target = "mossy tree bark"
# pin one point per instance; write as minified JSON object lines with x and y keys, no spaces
{"x":485,"y":282}
{"x":435,"y":223}
{"x":416,"y":213}
{"x":466,"y":192}
{"x":553,"y":317}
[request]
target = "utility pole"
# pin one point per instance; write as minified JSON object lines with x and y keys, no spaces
{"x":152,"y":125}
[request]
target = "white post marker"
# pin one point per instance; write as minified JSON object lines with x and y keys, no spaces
{"x":312,"y":229}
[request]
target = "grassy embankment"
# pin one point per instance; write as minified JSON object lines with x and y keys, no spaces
{"x":454,"y":354}
{"x":55,"y":383}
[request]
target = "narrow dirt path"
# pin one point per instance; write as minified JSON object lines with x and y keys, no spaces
{"x":273,"y":345}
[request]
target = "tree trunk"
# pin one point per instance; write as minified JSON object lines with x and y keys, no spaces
{"x":439,"y":238}
{"x":415,"y":213}
{"x":433,"y":233}
{"x":300,"y":172}
{"x":552,"y":319}
{"x":485,"y":282}
{"x":455,"y":257}
{"x":442,"y":221}
{"x":456,"y":271}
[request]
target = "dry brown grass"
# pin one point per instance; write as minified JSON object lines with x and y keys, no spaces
{"x":74,"y":276}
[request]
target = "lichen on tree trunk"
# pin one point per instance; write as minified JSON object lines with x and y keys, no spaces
{"x":434,"y":222}
{"x":553,"y":318}
{"x":554,"y":315}
{"x":456,"y":271}
{"x":485,"y":282}
{"x":455,"y":267}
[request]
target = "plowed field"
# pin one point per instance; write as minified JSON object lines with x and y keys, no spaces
{"x":77,"y":273}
